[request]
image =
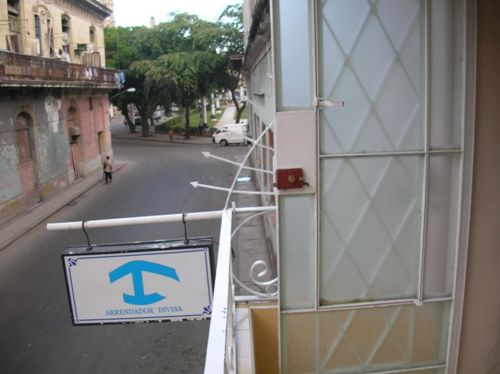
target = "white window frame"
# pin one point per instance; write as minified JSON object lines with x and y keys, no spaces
{"x":469,"y":21}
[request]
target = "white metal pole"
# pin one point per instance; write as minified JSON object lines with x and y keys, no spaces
{"x":164,"y":218}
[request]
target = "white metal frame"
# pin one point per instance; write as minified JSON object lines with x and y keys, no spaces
{"x":468,"y":139}
{"x":426,"y":153}
{"x":466,"y":166}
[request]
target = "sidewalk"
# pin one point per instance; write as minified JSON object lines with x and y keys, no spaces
{"x":165,"y":138}
{"x":227,"y":116}
{"x":14,"y":229}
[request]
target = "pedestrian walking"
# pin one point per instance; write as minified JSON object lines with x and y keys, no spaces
{"x":108,"y":170}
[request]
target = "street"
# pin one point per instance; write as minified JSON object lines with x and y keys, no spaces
{"x":36,"y":332}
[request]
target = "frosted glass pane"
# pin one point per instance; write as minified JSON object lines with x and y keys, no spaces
{"x":441,"y":225}
{"x":363,"y":340}
{"x":445,"y":77}
{"x":372,"y":58}
{"x":294,"y":80}
{"x":299,"y":343}
{"x":370,"y":228}
{"x":297,"y":252}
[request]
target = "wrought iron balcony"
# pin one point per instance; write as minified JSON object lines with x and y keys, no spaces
{"x":18,"y":70}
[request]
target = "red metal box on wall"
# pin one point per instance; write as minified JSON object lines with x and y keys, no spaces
{"x":289,"y":178}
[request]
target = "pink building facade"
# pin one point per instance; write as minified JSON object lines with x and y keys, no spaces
{"x":54,"y":121}
{"x":54,"y":128}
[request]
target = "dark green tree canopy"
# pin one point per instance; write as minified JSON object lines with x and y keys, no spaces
{"x":179,"y":61}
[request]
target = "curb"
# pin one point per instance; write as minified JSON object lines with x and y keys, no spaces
{"x":160,"y":140}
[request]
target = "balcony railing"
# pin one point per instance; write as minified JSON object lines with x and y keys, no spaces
{"x":222,"y":349}
{"x":220,"y":357}
{"x":18,"y":70}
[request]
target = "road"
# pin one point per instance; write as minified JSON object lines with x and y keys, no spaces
{"x":36,"y":333}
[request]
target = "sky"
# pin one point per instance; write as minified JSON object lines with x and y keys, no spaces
{"x":139,"y":12}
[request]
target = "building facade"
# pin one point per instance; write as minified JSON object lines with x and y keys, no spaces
{"x":387,"y":256}
{"x":54,"y":122}
{"x":52,"y":28}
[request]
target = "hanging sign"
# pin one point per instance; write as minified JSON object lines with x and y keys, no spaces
{"x":140,"y":282}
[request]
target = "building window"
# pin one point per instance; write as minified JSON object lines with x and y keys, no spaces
{"x":390,"y":163}
{"x":92,"y":34}
{"x":91,"y":104}
{"x":66,"y":29}
{"x":50,"y":38}
{"x":294,"y":67}
{"x":12,"y":38}
{"x":38,"y":36}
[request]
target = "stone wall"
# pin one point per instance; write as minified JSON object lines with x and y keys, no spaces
{"x":38,"y":155}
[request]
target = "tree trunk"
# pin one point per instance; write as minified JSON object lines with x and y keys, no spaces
{"x":152,"y":127}
{"x":145,"y":125}
{"x":130,"y":123}
{"x":186,"y":122}
{"x":239,"y":109}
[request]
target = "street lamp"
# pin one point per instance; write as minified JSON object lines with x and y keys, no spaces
{"x":130,"y":90}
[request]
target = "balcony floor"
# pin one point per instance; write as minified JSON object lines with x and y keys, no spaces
{"x":256,"y":323}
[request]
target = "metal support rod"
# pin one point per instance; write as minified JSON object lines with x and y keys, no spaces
{"x":86,"y":235}
{"x":196,"y":184}
{"x":144,"y":220}
{"x":209,"y":155}
{"x":186,"y":240}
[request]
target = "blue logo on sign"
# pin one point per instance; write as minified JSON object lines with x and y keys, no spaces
{"x":135,"y":269}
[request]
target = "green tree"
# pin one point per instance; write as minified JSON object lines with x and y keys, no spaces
{"x":180,"y":61}
{"x":230,"y":23}
{"x":121,"y":100}
{"x":121,"y":49}
{"x":188,"y":78}
{"x":152,"y":89}
{"x":231,"y":47}
{"x":121,"y":52}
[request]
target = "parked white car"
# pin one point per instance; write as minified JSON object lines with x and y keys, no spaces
{"x":234,"y":133}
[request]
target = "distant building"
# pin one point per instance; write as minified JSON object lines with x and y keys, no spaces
{"x":110,"y":20}
{"x":54,"y":122}
{"x":152,"y":22}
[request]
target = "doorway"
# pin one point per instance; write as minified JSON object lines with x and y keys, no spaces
{"x":75,"y":141}
{"x":25,"y":151}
